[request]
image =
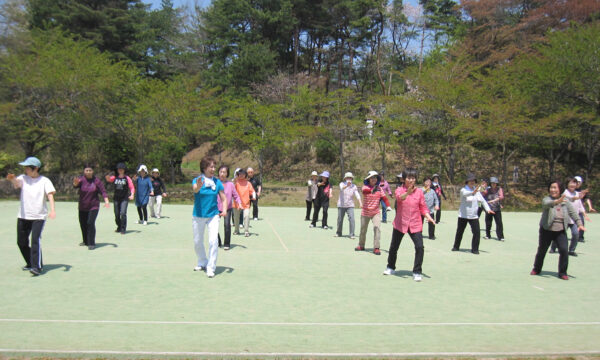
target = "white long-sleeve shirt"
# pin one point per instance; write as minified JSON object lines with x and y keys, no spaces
{"x":469,"y":203}
{"x":346,"y":192}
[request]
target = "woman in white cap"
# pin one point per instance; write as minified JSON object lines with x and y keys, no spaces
{"x":311,"y":193}
{"x":160,"y":191}
{"x":573,"y":196}
{"x":345,"y":204}
{"x":324,"y":193}
{"x":494,"y":196}
{"x":370,"y":211}
{"x":32,"y":215}
{"x":470,"y":198}
{"x":143,"y":193}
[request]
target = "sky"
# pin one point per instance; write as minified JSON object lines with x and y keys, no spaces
{"x":178,"y":3}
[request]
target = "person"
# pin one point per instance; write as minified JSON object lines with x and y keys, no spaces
{"x":311,"y":193}
{"x":432,"y":202}
{"x":207,"y":188}
{"x":124,"y":191}
{"x":370,"y":211}
{"x":345,"y":204}
{"x":483,"y":185}
{"x":585,"y":200}
{"x":385,"y":188}
{"x":399,"y":183}
{"x":160,"y":191}
{"x":557,"y":212}
{"x":470,"y":198}
{"x":31,"y":218}
{"x":246,"y":193}
{"x":89,"y":188}
{"x":437,"y":187}
{"x":573,"y":196}
{"x":494,"y":195}
{"x":408,"y":219}
{"x":257,"y":185}
{"x":143,"y":185}
{"x":324,"y":193}
{"x":230,"y":195}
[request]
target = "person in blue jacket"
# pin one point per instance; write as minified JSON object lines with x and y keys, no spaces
{"x":143,"y":183}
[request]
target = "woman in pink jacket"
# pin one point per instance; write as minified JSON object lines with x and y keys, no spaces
{"x":411,"y":206}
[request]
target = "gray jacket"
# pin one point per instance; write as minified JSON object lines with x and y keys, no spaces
{"x":549,"y":211}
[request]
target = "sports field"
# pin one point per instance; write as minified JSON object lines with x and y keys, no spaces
{"x":291,"y":291}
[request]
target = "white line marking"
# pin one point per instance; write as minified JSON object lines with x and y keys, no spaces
{"x":278,"y":237}
{"x":299,"y":324}
{"x":539,"y":288}
{"x":279,"y":354}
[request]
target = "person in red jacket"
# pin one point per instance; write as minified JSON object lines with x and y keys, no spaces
{"x":411,"y":206}
{"x":372,"y":195}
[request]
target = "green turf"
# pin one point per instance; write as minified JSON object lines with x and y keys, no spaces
{"x":289,"y":289}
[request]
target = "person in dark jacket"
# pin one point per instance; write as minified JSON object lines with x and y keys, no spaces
{"x":124,"y":191}
{"x":160,"y":191}
{"x":89,"y":188}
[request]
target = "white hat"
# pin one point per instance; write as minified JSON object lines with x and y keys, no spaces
{"x":579,"y":179}
{"x":371,"y":174}
{"x":314,"y":173}
{"x":143,"y":167}
{"x":348,"y":175}
{"x":155,"y":170}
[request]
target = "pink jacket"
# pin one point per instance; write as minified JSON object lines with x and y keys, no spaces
{"x":409,"y":211}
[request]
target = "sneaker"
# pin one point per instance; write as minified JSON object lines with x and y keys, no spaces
{"x":388,"y":209}
{"x":306,"y":219}
{"x":210,"y":274}
{"x":359,"y":248}
{"x":255,"y":219}
{"x":564,"y":277}
{"x":384,"y":221}
{"x":432,"y":238}
{"x":226,"y":248}
{"x":572,"y":253}
{"x":534,"y":272}
{"x":417,"y":277}
{"x":247,"y":234}
{"x":199,"y":268}
{"x":158,"y":216}
{"x":389,"y":271}
{"x":487,"y":237}
{"x":35,"y":272}
{"x":118,"y":230}
{"x":337,"y":235}
{"x":376,"y":251}
{"x":236,"y":233}
{"x":476,"y":252}
{"x":145,"y":222}
{"x":26,"y":268}
{"x":502,"y":239}
{"x":152,"y":216}
{"x":352,"y":237}
{"x":454,"y":249}
{"x":325,"y":227}
{"x":82,"y":244}
{"x":311,"y":226}
{"x":581,"y":240}
{"x":241,"y":226}
{"x":91,"y":247}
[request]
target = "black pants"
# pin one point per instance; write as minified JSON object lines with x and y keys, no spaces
{"x":309,"y":205}
{"x":143,"y":212}
{"x":87,"y":223}
{"x":254,"y":208}
{"x":227,"y":228}
{"x":499,"y":227}
{"x":546,"y":238}
{"x":417,"y":239}
{"x":574,"y":238}
{"x":318,"y":206}
{"x":460,"y":229}
{"x":121,"y":214}
{"x":33,"y":254}
{"x":438,"y":213}
{"x":430,"y":226}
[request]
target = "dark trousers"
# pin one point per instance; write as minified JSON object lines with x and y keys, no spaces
{"x":460,"y":229}
{"x":574,"y":238}
{"x":430,"y":226}
{"x":255,"y":208}
{"x":309,"y":205}
{"x":499,"y":227}
{"x":143,"y":212}
{"x":32,"y":254}
{"x":552,"y":237}
{"x":318,"y":206}
{"x":417,"y":239}
{"x":87,"y":223}
{"x":581,"y":231}
{"x":438,"y":213}
{"x":227,"y":228}
{"x":121,"y":214}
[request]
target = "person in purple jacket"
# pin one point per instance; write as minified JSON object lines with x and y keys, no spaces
{"x":230,"y":194}
{"x":89,"y":188}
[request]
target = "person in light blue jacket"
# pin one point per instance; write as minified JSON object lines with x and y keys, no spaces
{"x":143,"y":183}
{"x":470,"y":198}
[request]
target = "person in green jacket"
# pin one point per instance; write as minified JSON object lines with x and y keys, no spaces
{"x":556,"y":212}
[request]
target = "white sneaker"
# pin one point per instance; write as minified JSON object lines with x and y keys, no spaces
{"x":199,"y":268}
{"x":417,"y":277}
{"x":145,"y":222}
{"x":311,"y":226}
{"x":210,"y":274}
{"x":255,"y":219}
{"x":388,"y":209}
{"x":325,"y":227}
{"x":389,"y":271}
{"x":158,"y":216}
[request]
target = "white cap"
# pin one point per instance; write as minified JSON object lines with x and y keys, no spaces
{"x":579,"y":179}
{"x":348,"y":175}
{"x":371,"y":174}
{"x":155,"y":170}
{"x":314,"y":173}
{"x":143,"y":167}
